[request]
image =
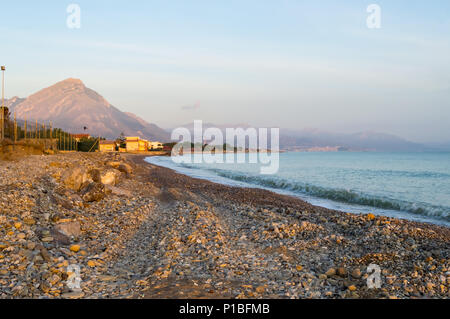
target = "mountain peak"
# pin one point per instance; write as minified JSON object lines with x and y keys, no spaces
{"x":72,"y":81}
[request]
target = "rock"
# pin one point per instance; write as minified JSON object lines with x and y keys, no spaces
{"x":74,"y":178}
{"x":56,"y":217}
{"x":390,"y":280}
{"x":59,"y":237}
{"x":21,"y":236}
{"x":70,"y":229}
{"x":76,"y":198}
{"x":342,"y":272}
{"x":45,"y":233}
{"x":370,"y":216}
{"x":331,"y":272}
{"x":356,"y":273}
{"x":260,"y":289}
{"x":118,"y":191}
{"x":95,"y":175}
{"x":73,"y":295}
{"x":107,"y":278}
{"x":44,"y":252}
{"x":47,"y":239}
{"x":94,"y":193}
{"x":44,"y":286}
{"x":75,"y":248}
{"x":62,"y":191}
{"x":29,"y":221}
{"x":113,"y":164}
{"x":110,"y":177}
{"x":125,"y":168}
{"x":59,"y":200}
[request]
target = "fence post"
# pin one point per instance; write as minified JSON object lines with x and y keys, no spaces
{"x":14,"y":128}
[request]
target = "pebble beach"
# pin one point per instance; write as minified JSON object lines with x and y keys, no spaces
{"x":129,"y":229}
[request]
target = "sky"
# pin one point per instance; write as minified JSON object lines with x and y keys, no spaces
{"x":279,"y":63}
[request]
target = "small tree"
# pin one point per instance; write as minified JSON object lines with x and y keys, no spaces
{"x":122,"y":140}
{"x":85,"y":144}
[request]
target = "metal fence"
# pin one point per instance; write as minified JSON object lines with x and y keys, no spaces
{"x":34,"y":131}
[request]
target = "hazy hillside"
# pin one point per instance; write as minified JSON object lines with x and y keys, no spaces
{"x":70,"y":105}
{"x":361,"y":141}
{"x":313,"y":138}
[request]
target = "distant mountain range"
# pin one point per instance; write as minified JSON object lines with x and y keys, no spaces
{"x":70,"y":105}
{"x":317,"y":140}
{"x":361,"y":141}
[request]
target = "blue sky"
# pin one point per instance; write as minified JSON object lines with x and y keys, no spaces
{"x":296,"y":64}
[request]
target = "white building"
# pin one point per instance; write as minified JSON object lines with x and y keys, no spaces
{"x":155,"y":146}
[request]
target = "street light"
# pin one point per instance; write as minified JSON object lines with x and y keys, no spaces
{"x":3,"y":68}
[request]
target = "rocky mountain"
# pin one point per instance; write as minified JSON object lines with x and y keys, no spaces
{"x":72,"y":106}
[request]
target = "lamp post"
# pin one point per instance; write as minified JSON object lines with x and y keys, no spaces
{"x":3,"y":68}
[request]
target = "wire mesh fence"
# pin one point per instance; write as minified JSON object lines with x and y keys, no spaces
{"x":37,"y":132}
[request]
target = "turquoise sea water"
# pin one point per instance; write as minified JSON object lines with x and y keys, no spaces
{"x":413,"y":186}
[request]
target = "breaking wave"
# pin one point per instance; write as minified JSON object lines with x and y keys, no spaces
{"x":334,"y":194}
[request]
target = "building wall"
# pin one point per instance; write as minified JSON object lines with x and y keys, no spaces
{"x":107,"y":148}
{"x":132,"y":146}
{"x":156,"y":145}
{"x":143,"y":145}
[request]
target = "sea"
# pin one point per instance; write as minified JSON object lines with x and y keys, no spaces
{"x":413,"y":186}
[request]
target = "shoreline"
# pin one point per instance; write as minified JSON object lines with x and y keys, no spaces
{"x":353,"y":208}
{"x":278,"y":197}
{"x":155,"y":233}
{"x":347,"y":237}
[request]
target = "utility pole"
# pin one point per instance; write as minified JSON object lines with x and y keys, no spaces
{"x":51,"y":135}
{"x":3,"y":68}
{"x":15,"y":128}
